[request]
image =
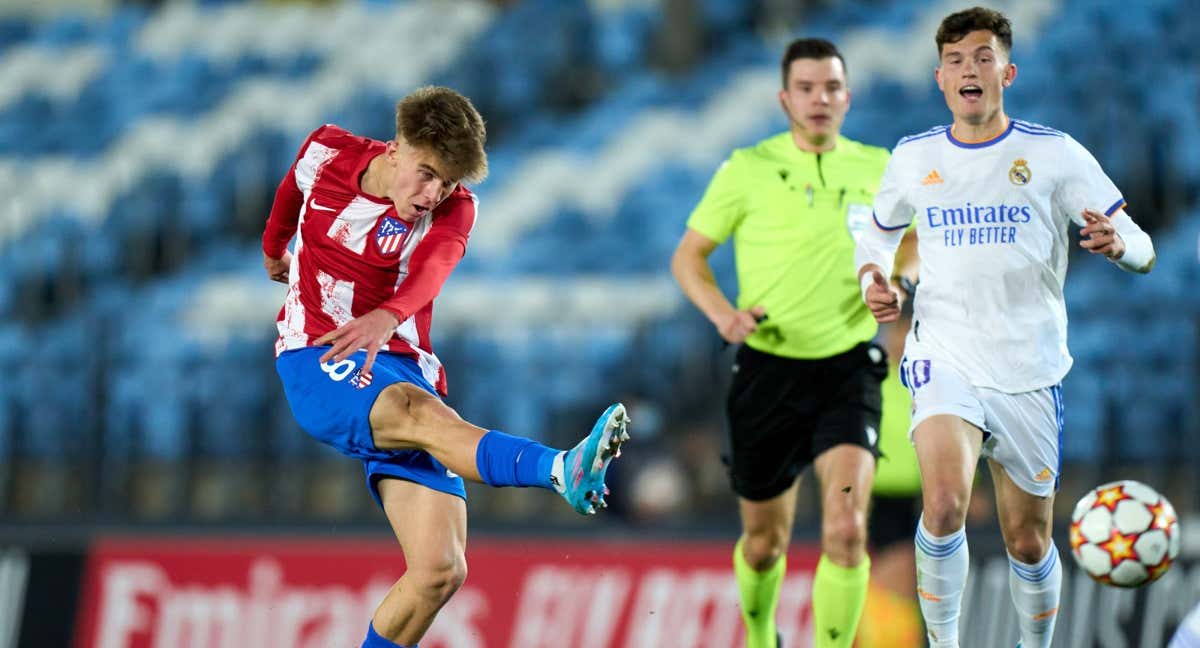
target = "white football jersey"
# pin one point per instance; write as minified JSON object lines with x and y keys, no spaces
{"x":1188,"y":633}
{"x":992,"y":220}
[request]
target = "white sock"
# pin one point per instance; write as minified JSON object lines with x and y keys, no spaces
{"x":1035,"y":591}
{"x":942,"y":564}
{"x":558,"y":476}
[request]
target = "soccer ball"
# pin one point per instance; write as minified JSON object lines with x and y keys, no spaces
{"x":1124,"y":534}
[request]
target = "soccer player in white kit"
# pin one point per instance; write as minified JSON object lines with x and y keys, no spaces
{"x":993,"y":198}
{"x":1188,"y":633}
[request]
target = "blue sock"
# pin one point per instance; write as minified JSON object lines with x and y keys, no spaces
{"x":507,"y":460}
{"x":373,"y":640}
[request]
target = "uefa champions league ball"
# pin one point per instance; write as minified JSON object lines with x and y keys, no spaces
{"x":1124,"y":534}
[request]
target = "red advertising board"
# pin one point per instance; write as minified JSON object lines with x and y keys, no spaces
{"x":237,"y":593}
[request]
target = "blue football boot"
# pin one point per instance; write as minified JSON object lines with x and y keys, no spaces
{"x":578,"y":474}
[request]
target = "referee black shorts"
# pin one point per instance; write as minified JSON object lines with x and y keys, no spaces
{"x":893,"y":519}
{"x":785,"y":412}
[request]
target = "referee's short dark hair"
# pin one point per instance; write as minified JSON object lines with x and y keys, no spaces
{"x":808,"y":48}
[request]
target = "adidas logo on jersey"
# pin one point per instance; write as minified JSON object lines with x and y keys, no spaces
{"x":933,"y":178}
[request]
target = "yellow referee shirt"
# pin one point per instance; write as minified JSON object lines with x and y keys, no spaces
{"x":794,"y":217}
{"x":897,"y":473}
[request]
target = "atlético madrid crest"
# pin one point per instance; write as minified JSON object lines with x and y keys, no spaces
{"x":390,"y":235}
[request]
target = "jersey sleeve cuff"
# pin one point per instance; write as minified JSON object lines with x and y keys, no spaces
{"x":396,"y":311}
{"x":1112,"y":209}
{"x":887,"y":228}
{"x":273,"y":250}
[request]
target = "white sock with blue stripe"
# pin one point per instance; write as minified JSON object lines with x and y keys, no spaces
{"x":942,"y":564}
{"x":1035,"y":593}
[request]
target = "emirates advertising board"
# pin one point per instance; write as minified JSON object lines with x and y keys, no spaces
{"x":236,"y":593}
{"x":532,"y":594}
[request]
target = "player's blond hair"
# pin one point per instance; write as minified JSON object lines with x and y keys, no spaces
{"x":447,"y":124}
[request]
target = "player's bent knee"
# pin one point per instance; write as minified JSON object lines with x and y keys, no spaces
{"x":428,"y":410}
{"x":437,"y":583}
{"x":392,"y":425}
{"x":944,"y":513}
{"x":762,"y":549}
{"x":1028,"y":548}
{"x":405,"y":415}
{"x":844,"y":534}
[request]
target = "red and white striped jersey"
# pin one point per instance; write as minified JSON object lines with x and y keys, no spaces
{"x":354,"y":254}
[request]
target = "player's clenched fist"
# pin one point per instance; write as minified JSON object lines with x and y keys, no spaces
{"x":882,"y":298}
{"x":1100,"y":236}
{"x":277,"y":269}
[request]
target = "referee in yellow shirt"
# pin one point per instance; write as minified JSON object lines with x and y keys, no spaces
{"x":805,"y":388}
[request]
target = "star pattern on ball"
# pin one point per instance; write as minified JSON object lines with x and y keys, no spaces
{"x":1076,"y":534}
{"x":1120,"y":547}
{"x":1163,"y":516}
{"x":1158,"y":570}
{"x":1109,"y":497}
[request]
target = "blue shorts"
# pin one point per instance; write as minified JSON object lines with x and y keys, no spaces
{"x":333,"y":401}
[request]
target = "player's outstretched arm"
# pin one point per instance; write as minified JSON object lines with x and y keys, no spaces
{"x":689,"y":265}
{"x":1118,"y":239}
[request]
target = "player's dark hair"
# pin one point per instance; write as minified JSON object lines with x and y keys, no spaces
{"x":808,"y":48}
{"x":446,"y":123}
{"x":956,"y":26}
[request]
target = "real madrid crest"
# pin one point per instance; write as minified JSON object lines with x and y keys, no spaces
{"x":1020,"y":174}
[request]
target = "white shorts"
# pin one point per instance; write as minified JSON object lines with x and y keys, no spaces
{"x":1022,"y":432}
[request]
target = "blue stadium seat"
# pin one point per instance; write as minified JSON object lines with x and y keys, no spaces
{"x":229,"y":421}
{"x":622,"y":39}
{"x":14,"y":31}
{"x":162,"y":417}
{"x":164,"y":396}
{"x":64,"y":30}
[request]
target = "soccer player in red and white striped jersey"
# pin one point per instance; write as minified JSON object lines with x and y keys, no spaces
{"x":378,"y":228}
{"x":363,"y":253}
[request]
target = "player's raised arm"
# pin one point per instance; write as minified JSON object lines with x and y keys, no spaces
{"x":1119,"y":239}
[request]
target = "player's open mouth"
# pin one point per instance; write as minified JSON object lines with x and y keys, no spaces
{"x":971,"y":92}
